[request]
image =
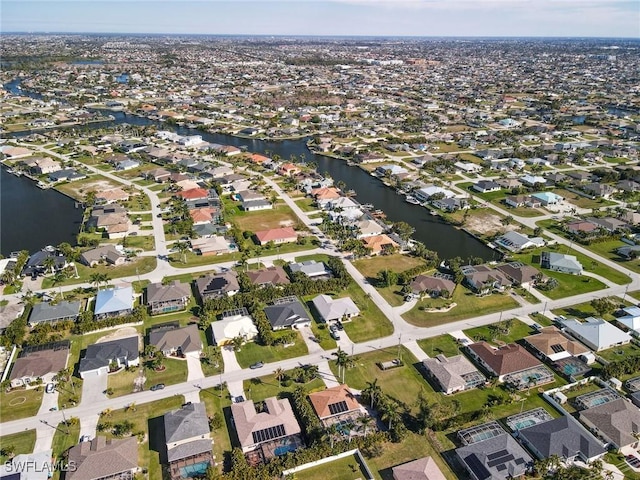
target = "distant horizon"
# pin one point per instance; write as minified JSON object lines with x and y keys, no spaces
{"x":354,"y":36}
{"x":341,"y":18}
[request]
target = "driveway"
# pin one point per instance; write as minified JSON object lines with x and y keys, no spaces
{"x":194,"y":367}
{"x":414,"y":348}
{"x":327,"y":376}
{"x":44,"y":436}
{"x":49,"y":400}
{"x":93,"y":388}
{"x":88,"y":425}
{"x":307,"y":335}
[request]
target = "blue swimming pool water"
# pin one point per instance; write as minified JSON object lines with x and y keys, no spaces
{"x":525,"y":424}
{"x":197,"y":469}
{"x":283,"y":449}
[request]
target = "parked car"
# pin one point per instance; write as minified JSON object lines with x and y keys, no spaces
{"x":256,"y":365}
{"x":49,"y":388}
{"x":158,"y":386}
{"x":85,"y":438}
{"x":238,"y":399}
{"x":334,"y":335}
{"x":53,"y":409}
{"x":339,"y":325}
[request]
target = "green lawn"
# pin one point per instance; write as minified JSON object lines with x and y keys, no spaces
{"x":608,"y":250}
{"x":175,"y":372}
{"x":371,"y":323}
{"x":621,"y":352}
{"x":23,"y":442}
{"x":347,"y":468}
{"x":321,"y":331}
{"x":215,"y":401}
{"x":70,"y":393}
{"x":532,"y":257}
{"x":307,"y":204}
{"x":527,"y":295}
{"x":582,"y":202}
{"x":635,"y":294}
{"x":318,"y":257}
{"x":139,"y":265}
{"x":259,"y":388}
{"x":583,"y":310}
{"x":122,"y":382}
{"x":20,"y":403}
{"x":517,"y":331}
{"x":252,"y":352}
{"x":468,"y":305}
{"x":441,"y":345}
{"x":140,"y":415}
{"x":65,"y":438}
{"x":281,"y":215}
{"x":540,"y":319}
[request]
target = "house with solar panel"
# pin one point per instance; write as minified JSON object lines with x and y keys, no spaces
{"x":266,"y":430}
{"x":490,"y":453}
{"x":114,"y":302}
{"x":337,"y":406}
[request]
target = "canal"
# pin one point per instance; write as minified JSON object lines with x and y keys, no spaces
{"x":431,"y":230}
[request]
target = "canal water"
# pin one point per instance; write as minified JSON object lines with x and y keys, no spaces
{"x":435,"y":233}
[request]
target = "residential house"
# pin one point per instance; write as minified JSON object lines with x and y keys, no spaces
{"x":628,"y":186}
{"x":450,"y":204}
{"x":167,"y":298}
{"x":547,"y":198}
{"x":212,"y":245}
{"x":424,"y":468}
{"x":31,"y":466}
{"x":213,"y":286}
{"x":204,"y":215}
{"x":274,"y":275}
{"x":66,"y":175}
{"x":485,"y":186}
{"x":275,"y":425}
{"x":102,"y":459}
{"x":582,"y":228}
{"x":453,"y":374}
{"x":563,"y":437}
{"x":391,"y":170}
{"x":467,"y":167}
{"x":177,"y":341}
{"x":532,"y":180}
{"x":629,"y":252}
{"x":379,"y":244}
{"x":122,"y":352}
{"x":233,"y":324}
{"x":424,"y":194}
{"x":509,"y":359}
{"x":325,"y":193}
{"x":335,"y":405}
{"x":483,"y":279}
{"x":551,"y":344}
{"x":516,"y":201}
{"x":105,"y":253}
{"x":368,"y":228}
{"x":188,"y":440}
{"x":311,"y":269}
{"x":595,"y":333}
{"x":433,"y":286}
{"x":288,"y":169}
{"x":515,"y":242}
{"x":159,"y":175}
{"x":601,"y":190}
{"x":127,"y":164}
{"x":609,"y":224}
{"x":114,"y":302}
{"x":41,"y":361}
{"x":631,"y":318}
{"x":519,"y":273}
{"x":559,"y":262}
{"x":112,"y":218}
{"x":48,"y":312}
{"x":331,"y":309}
{"x":107,"y":197}
{"x":41,"y":165}
{"x":277,"y":236}
{"x":580,"y":176}
{"x":36,"y":264}
{"x":287,"y":312}
{"x":255,"y":205}
{"x":194,"y":194}
{"x":497,"y":458}
{"x":617,"y":422}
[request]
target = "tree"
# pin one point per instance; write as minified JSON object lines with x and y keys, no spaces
{"x":58,"y":279}
{"x":341,"y":360}
{"x":49,"y":264}
{"x":237,"y":342}
{"x":183,"y":248}
{"x":603,"y":305}
{"x":404,"y":230}
{"x":508,"y":220}
{"x":365,"y":422}
{"x":280,"y":375}
{"x":373,"y":392}
{"x":387,"y":278}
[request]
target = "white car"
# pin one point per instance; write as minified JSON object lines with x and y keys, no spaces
{"x":49,"y":388}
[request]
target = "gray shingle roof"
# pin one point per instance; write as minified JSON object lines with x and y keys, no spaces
{"x":46,"y":312}
{"x":176,"y":290}
{"x":484,"y":458}
{"x":186,"y":422}
{"x":286,"y":314}
{"x":103,"y":458}
{"x":101,"y":354}
{"x":186,"y":338}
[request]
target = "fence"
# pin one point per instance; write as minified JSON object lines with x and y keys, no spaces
{"x":322,"y":461}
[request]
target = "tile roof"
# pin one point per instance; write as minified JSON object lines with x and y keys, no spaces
{"x":321,"y":401}
{"x":507,"y":359}
{"x":276,"y":412}
{"x":103,"y":458}
{"x":424,"y":468}
{"x":335,"y":309}
{"x":176,"y":290}
{"x":272,"y":275}
{"x":549,"y":337}
{"x":186,"y":338}
{"x":450,"y":371}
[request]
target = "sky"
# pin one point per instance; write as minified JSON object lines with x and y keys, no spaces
{"x":500,"y":18}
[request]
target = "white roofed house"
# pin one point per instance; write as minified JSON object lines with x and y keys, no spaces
{"x":233,"y":324}
{"x":114,"y":302}
{"x":631,"y":318}
{"x":596,"y":333}
{"x":514,"y":241}
{"x":331,"y":309}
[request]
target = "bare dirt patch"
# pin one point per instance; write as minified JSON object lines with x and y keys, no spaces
{"x":487,"y":224}
{"x":119,"y":333}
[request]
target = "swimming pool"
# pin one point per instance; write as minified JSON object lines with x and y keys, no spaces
{"x":524,"y":424}
{"x":284,"y":449}
{"x":194,"y":470}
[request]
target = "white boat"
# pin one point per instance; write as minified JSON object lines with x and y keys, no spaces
{"x":412,"y":200}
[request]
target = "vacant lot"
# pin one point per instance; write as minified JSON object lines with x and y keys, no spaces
{"x":486,"y":333}
{"x":259,"y":388}
{"x":467,"y":305}
{"x":580,"y":201}
{"x":80,"y":188}
{"x":280,"y":216}
{"x":252,"y":352}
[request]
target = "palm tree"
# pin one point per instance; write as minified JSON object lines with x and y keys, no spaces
{"x":280,"y":375}
{"x":373,"y":391}
{"x":389,"y":411}
{"x":237,"y":343}
{"x":183,"y":248}
{"x":8,"y":277}
{"x":341,"y":361}
{"x":331,"y":433}
{"x":58,"y":279}
{"x":49,"y":263}
{"x":365,"y":421}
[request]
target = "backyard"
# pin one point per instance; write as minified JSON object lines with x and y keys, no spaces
{"x":347,"y":468}
{"x":22,"y":442}
{"x":259,"y":388}
{"x":215,"y":401}
{"x":252,"y":352}
{"x":467,"y":305}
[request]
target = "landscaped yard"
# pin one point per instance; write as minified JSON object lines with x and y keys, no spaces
{"x":139,"y":416}
{"x":66,"y":436}
{"x":23,"y":442}
{"x":347,"y":468}
{"x":20,"y":403}
{"x":252,"y":352}
{"x":175,"y":372}
{"x":620,"y":353}
{"x":121,"y":383}
{"x":580,"y":201}
{"x":138,"y":266}
{"x":467,"y":305}
{"x":517,"y":331}
{"x":259,"y":388}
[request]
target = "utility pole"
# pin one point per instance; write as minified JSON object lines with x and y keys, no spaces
{"x":399,"y":345}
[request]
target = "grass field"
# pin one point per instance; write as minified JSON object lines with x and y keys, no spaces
{"x":259,"y":388}
{"x":580,"y":201}
{"x":65,"y":438}
{"x":215,"y":401}
{"x":139,"y":265}
{"x":441,"y":345}
{"x":621,"y":352}
{"x":371,"y":323}
{"x":517,"y":331}
{"x":280,"y":216}
{"x":175,"y":372}
{"x":306,"y":204}
{"x":467,"y":305}
{"x":20,"y":403}
{"x":23,"y":442}
{"x":252,"y":352}
{"x":608,"y":250}
{"x":346,"y":468}
{"x":369,"y":267}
